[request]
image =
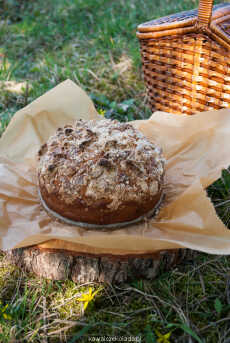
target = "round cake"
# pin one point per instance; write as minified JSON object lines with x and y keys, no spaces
{"x":100,"y":173}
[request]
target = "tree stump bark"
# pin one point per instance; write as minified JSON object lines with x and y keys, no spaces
{"x":62,"y":265}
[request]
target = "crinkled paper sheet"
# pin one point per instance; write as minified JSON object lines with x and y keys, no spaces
{"x":196,"y":149}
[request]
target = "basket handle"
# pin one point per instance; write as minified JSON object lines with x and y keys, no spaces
{"x":205,"y":12}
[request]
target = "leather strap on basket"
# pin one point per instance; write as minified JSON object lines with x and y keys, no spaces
{"x":205,"y":13}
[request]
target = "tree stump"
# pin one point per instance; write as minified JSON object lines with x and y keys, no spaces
{"x":62,"y":265}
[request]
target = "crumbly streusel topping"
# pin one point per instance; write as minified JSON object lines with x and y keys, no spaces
{"x":97,"y":160}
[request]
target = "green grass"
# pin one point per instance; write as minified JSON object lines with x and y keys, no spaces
{"x":192,"y":300}
{"x":93,"y":43}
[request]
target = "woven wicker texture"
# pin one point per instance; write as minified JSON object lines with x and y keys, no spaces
{"x":186,"y":74}
{"x":225,"y":27}
{"x":152,"y":25}
{"x":178,"y":19}
{"x":187,"y":67}
{"x":221,"y":26}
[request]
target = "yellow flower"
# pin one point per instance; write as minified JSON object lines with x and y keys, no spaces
{"x":101,"y":112}
{"x":163,"y":338}
{"x":7,"y":316}
{"x":86,"y":298}
{"x":3,"y":310}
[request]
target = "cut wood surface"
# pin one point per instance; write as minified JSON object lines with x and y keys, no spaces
{"x":62,"y":265}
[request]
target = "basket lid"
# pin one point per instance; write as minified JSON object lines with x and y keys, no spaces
{"x":182,"y":19}
{"x":186,"y":22}
{"x":221,"y":26}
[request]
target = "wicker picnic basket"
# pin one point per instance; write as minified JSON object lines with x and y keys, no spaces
{"x":186,"y":59}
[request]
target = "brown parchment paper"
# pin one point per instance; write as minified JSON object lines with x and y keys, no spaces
{"x":196,"y":149}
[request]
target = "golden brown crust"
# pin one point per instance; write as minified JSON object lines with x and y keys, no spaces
{"x":98,"y":213}
{"x":100,"y":172}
